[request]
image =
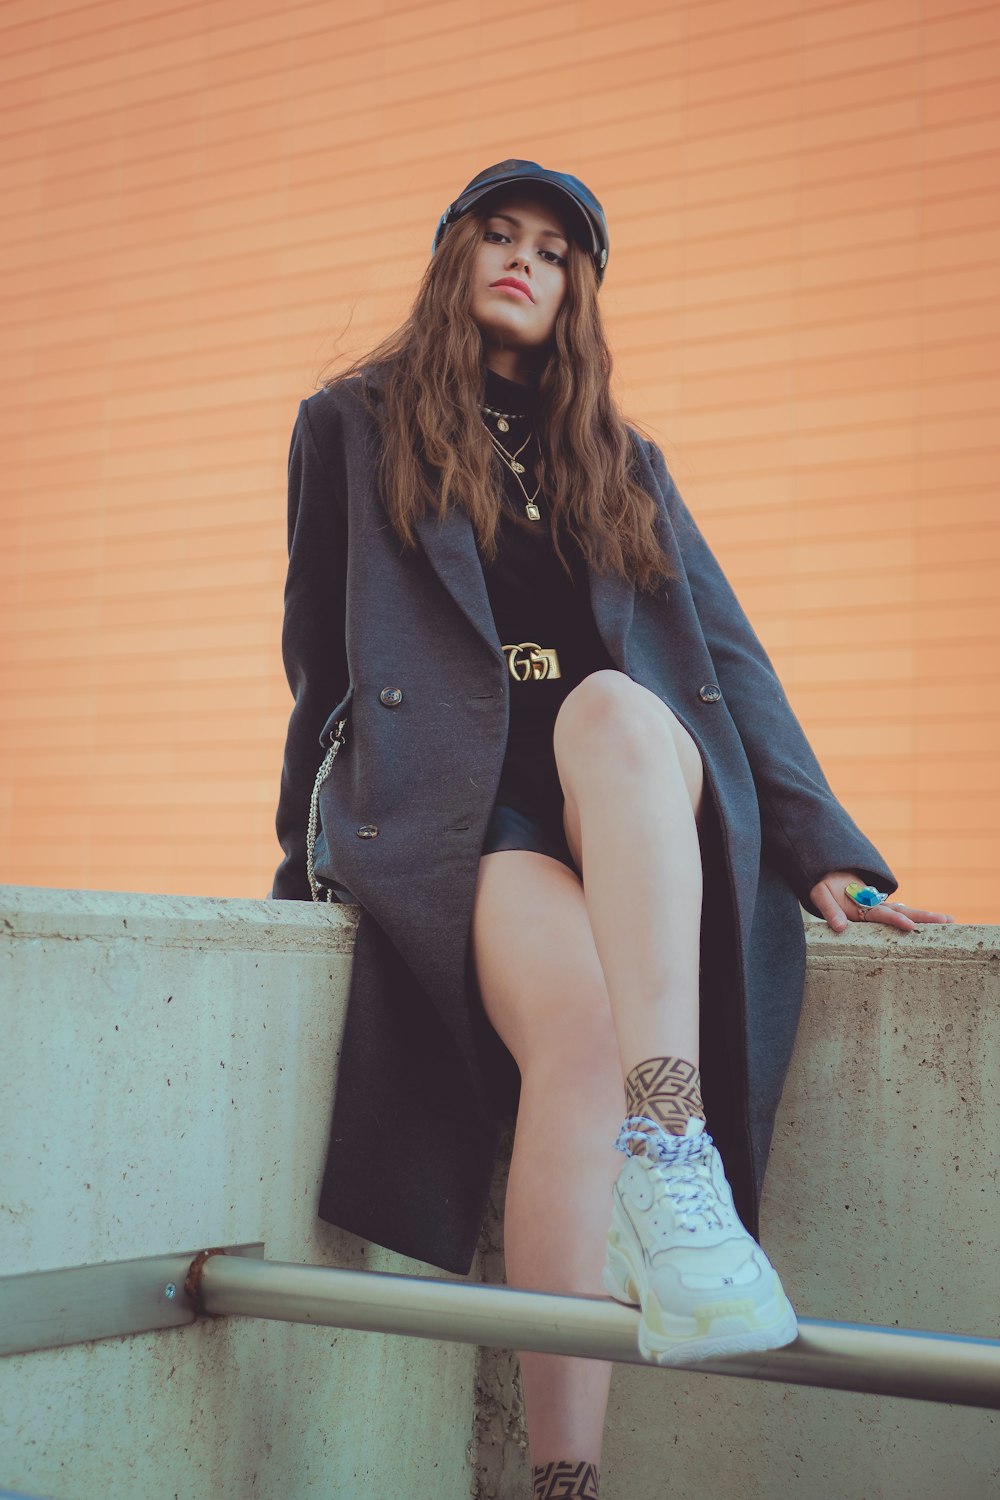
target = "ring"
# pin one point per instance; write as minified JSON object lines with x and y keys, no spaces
{"x":864,"y":896}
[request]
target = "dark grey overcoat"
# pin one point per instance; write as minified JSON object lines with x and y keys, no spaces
{"x":423,"y":1081}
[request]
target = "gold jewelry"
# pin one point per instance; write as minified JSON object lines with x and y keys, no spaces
{"x":504,"y":418}
{"x":530,"y":508}
{"x":511,"y":457}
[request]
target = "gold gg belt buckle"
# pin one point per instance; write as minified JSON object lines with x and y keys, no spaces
{"x":538,"y":663}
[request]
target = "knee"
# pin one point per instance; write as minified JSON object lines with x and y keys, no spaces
{"x":610,"y":714}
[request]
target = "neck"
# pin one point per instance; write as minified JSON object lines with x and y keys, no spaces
{"x":512,"y":364}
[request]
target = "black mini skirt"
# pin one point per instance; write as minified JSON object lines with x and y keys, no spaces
{"x":528,"y":811}
{"x":511,"y":828}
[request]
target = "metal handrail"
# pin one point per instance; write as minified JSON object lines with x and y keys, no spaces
{"x":839,"y":1356}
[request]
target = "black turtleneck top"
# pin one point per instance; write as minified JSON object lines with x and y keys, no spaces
{"x":543,"y":615}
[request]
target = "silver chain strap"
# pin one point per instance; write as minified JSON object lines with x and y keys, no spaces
{"x":313,"y":827}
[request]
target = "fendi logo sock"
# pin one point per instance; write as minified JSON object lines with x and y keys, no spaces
{"x":565,"y":1479}
{"x":667,"y":1090}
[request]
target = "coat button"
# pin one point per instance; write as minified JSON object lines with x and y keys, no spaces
{"x":368,"y":831}
{"x":710,"y":693}
{"x":391,"y":696}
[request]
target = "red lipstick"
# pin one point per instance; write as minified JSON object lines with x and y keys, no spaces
{"x":518,"y":286}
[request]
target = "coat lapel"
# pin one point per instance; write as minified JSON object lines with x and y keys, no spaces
{"x":450,"y":546}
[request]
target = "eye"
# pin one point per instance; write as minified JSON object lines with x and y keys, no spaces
{"x":555,"y":260}
{"x":494,"y":235}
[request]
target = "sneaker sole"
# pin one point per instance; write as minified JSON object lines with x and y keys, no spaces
{"x":716,"y":1330}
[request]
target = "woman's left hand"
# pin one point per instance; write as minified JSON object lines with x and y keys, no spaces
{"x":827,"y":895}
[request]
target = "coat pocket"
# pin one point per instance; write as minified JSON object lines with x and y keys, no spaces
{"x":331,"y":737}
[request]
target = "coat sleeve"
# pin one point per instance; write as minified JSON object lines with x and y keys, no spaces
{"x":805,"y":831}
{"x":313,"y":639}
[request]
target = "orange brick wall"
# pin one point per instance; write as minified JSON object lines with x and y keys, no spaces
{"x":204,"y":206}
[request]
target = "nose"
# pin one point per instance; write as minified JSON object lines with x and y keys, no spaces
{"x":517,"y":259}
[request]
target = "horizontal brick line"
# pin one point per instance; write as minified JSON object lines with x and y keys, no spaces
{"x":816,"y":361}
{"x":268,"y":622}
{"x":823,"y":651}
{"x":263,"y":740}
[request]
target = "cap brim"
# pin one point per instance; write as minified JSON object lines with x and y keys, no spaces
{"x":565,"y":199}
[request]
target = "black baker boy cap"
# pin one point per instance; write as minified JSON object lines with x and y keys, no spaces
{"x":586,"y":214}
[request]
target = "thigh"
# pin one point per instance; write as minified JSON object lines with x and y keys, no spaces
{"x":539,"y":975}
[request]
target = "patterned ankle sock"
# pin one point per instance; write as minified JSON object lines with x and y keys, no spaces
{"x":667,"y":1090}
{"x":565,"y":1479}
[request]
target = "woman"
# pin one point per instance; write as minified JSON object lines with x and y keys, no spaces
{"x":566,"y":789}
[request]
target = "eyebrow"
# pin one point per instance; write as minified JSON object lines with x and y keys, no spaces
{"x":551,"y":233}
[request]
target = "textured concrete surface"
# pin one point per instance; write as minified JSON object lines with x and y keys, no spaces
{"x":880,"y":1207}
{"x":166,"y":1082}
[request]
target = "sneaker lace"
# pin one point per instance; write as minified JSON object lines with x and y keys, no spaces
{"x":688,"y":1186}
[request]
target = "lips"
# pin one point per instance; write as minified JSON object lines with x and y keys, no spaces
{"x":515,"y":285}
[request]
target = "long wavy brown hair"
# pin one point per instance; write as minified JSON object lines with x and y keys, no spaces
{"x":436,"y":452}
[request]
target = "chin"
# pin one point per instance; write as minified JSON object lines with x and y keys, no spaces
{"x":506,"y":333}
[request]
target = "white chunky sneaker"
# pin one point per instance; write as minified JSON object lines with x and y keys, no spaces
{"x":677,"y":1250}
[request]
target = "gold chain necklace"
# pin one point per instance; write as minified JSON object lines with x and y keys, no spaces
{"x":510,"y":459}
{"x":504,"y":418}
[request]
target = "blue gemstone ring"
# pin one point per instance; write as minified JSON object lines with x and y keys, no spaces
{"x":865,"y":896}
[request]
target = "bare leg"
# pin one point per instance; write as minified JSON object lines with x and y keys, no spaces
{"x":632,"y":779}
{"x":581,"y":986}
{"x":543,"y":990}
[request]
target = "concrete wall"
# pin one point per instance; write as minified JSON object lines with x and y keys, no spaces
{"x":166,"y":1081}
{"x":880,"y":1206}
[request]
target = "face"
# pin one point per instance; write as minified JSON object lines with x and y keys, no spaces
{"x":524,"y":241}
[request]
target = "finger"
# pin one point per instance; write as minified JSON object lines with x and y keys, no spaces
{"x":918,"y":914}
{"x":890,"y":916}
{"x":829,"y":907}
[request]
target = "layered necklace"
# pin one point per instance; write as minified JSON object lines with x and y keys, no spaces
{"x":503,"y":421}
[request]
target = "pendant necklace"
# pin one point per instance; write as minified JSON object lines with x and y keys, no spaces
{"x":517,"y":469}
{"x":504,"y":418}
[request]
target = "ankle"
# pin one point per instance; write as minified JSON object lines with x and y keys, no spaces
{"x":666,"y":1091}
{"x":565,"y":1479}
